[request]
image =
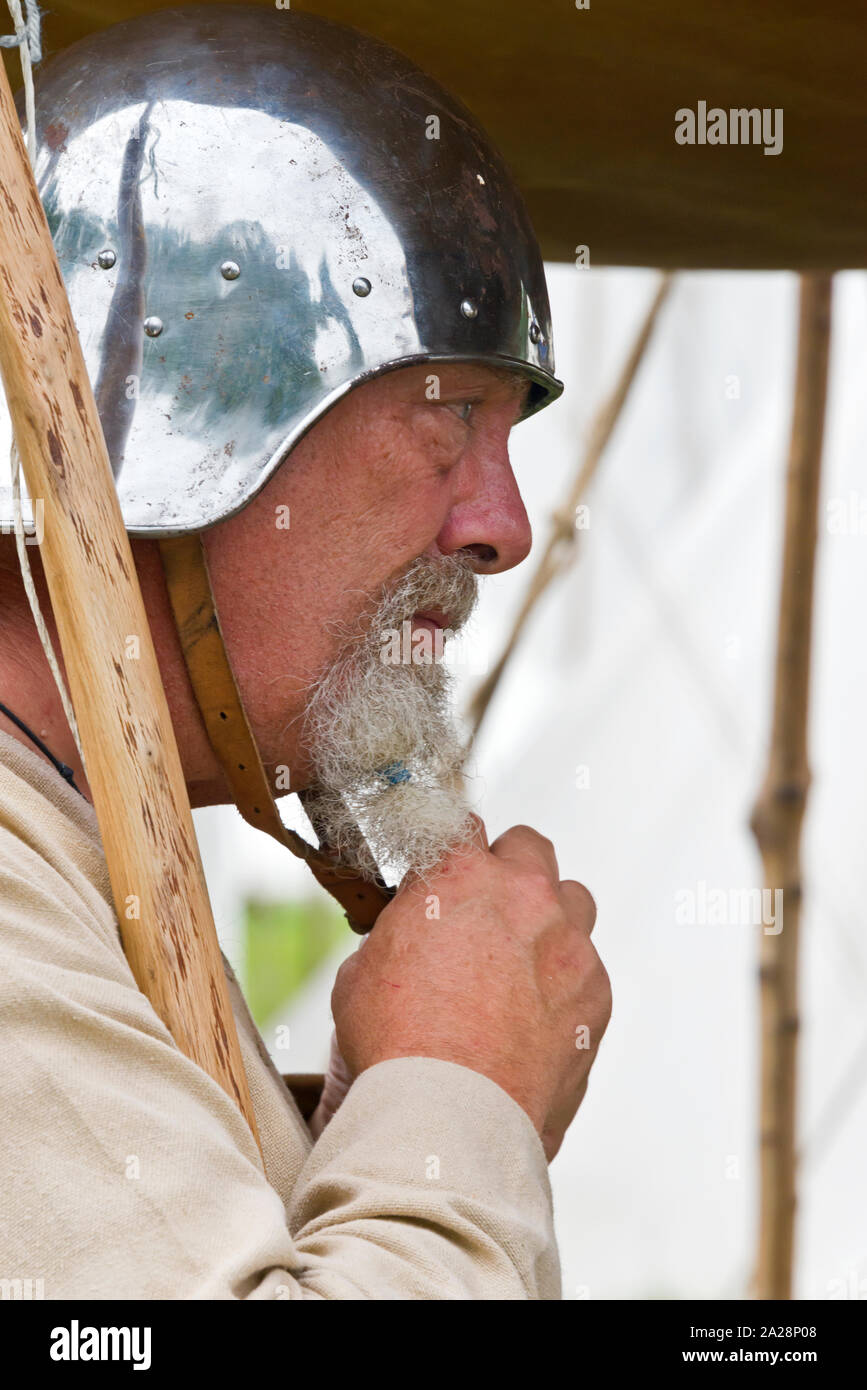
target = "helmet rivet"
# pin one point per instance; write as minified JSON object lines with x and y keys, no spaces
{"x":153,"y":326}
{"x":535,"y":333}
{"x":230,"y":270}
{"x":106,"y":258}
{"x":469,"y":308}
{"x":361,"y":286}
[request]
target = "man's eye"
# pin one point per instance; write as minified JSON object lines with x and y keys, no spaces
{"x":462,"y":409}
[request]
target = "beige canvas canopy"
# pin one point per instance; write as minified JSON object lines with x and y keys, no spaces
{"x":583,"y":102}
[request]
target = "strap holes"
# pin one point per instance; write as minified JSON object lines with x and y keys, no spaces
{"x":223,"y":714}
{"x":241,"y":767}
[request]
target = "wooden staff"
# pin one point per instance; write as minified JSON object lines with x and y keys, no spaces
{"x":130,"y":752}
{"x":779,"y":810}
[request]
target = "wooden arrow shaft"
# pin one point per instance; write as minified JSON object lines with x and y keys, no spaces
{"x":131,"y":756}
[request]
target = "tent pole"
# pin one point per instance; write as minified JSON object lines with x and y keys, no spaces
{"x":779,"y":810}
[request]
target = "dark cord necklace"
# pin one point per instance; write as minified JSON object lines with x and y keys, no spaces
{"x":66,"y":772}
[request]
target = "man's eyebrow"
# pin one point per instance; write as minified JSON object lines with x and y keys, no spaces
{"x":521,"y":388}
{"x":477,"y":374}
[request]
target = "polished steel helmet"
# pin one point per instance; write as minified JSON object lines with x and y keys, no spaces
{"x":254,"y":211}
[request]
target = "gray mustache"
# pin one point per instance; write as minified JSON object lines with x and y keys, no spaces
{"x":449,"y":584}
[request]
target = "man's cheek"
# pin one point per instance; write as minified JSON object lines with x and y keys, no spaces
{"x":438,"y":444}
{"x":427,"y":443}
{"x":392,"y":537}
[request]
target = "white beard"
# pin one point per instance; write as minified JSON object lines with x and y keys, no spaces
{"x":386,"y":751}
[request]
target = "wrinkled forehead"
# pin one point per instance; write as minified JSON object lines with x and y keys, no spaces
{"x":432,"y":380}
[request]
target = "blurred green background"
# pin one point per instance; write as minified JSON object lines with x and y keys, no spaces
{"x":284,"y":943}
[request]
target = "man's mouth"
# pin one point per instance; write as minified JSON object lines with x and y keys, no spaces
{"x":431,"y":618}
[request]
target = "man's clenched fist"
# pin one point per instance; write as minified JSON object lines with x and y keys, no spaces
{"x":504,"y":980}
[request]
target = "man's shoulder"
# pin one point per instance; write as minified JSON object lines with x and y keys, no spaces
{"x":66,"y":988}
{"x":55,"y":894}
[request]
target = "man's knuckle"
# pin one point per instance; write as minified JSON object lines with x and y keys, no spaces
{"x":602,"y":985}
{"x":588,"y":903}
{"x":537,"y":888}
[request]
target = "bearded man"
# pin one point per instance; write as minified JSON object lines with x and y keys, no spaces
{"x":313,"y":309}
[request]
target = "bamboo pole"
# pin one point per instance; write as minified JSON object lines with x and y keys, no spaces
{"x":561,"y":547}
{"x":131,"y":756}
{"x":779,"y":810}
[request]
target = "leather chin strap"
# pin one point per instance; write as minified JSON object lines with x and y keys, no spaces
{"x":219,"y":700}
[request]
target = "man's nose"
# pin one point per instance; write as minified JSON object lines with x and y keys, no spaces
{"x":488,"y":518}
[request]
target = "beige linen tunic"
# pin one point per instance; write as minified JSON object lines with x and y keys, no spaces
{"x":126,"y":1172}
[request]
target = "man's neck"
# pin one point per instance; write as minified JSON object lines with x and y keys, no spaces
{"x":28,"y":689}
{"x":34,"y":698}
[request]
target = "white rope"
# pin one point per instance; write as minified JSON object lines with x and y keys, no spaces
{"x":27,"y":31}
{"x":27,"y":38}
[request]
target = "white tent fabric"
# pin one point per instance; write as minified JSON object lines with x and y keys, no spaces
{"x":631,"y":728}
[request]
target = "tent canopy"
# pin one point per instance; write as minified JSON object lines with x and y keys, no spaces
{"x":583,"y":104}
